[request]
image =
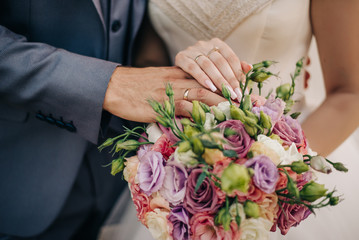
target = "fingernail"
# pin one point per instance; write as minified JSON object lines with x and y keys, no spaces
{"x":239,"y":94}
{"x":233,"y":94}
{"x":210,"y":85}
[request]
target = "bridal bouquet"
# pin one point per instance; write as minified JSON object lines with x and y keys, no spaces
{"x":232,"y":171}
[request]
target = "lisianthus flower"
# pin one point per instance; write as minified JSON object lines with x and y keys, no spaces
{"x":157,"y":224}
{"x":259,"y":148}
{"x":164,"y":146}
{"x":174,"y":185}
{"x":205,"y":199}
{"x":282,"y":181}
{"x":265,"y":173}
{"x":253,"y":194}
{"x":255,"y":229}
{"x":203,"y":228}
{"x":240,"y":142}
{"x":180,"y":221}
{"x":290,"y":131}
{"x":269,"y":207}
{"x":290,"y":216}
{"x":151,"y":171}
{"x":157,"y":201}
{"x":273,"y":107}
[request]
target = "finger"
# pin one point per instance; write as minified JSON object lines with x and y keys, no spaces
{"x":189,"y":65}
{"x":205,"y":96}
{"x":183,"y":108}
{"x":246,"y":66}
{"x":225,"y":69}
{"x":215,"y":75}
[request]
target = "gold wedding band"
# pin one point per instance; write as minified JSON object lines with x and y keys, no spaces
{"x":214,"y":49}
{"x":198,"y":56}
{"x":185,"y":95}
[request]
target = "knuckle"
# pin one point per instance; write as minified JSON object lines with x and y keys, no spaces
{"x":180,"y":105}
{"x":206,"y":63}
{"x":201,"y":93}
{"x":191,"y":67}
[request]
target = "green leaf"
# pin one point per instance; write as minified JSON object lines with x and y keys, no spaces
{"x":200,"y":180}
{"x":209,"y":144}
{"x":230,"y":153}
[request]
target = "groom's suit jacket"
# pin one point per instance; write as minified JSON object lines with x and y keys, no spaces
{"x":52,"y":86}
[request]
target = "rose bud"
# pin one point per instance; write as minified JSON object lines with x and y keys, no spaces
{"x":283,"y":90}
{"x":265,"y":120}
{"x":234,"y":177}
{"x":169,"y":109}
{"x":186,"y":121}
{"x":163,"y":121}
{"x":237,"y":113}
{"x":292,"y":187}
{"x":169,"y":90}
{"x":197,"y":146}
{"x":320,"y":164}
{"x":225,"y":92}
{"x":312,"y":191}
{"x":190,"y":131}
{"x":252,"y":131}
{"x":299,"y":167}
{"x":184,"y":146}
{"x":260,"y":76}
{"x":247,"y":104}
{"x":264,"y":64}
{"x":218,"y":114}
{"x":198,"y":114}
{"x":340,"y":167}
{"x":117,"y":166}
{"x":251,"y":209}
{"x":333,"y":201}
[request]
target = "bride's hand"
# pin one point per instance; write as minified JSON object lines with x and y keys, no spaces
{"x":213,"y":63}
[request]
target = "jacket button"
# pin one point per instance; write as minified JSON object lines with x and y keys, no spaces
{"x":116,"y":25}
{"x":60,"y":124}
{"x":50,"y":119}
{"x":40,"y":116}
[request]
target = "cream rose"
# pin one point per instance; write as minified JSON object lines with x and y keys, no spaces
{"x":158,"y":225}
{"x":255,"y":229}
{"x":130,"y":170}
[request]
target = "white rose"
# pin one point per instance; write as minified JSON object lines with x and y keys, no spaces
{"x":153,"y":132}
{"x":157,"y":224}
{"x":186,"y":158}
{"x":255,"y":229}
{"x":225,"y":108}
{"x":292,"y":155}
{"x":274,"y":145}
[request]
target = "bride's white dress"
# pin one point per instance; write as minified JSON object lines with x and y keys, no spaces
{"x":257,"y":30}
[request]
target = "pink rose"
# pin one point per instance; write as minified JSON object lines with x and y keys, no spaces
{"x":164,"y":146}
{"x":290,"y":131}
{"x":141,"y":201}
{"x":205,"y":199}
{"x":290,"y":216}
{"x":203,"y":228}
{"x":254,"y":194}
{"x":239,"y":142}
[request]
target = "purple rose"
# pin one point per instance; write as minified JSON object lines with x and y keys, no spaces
{"x":273,"y":107}
{"x":205,"y":199}
{"x":151,"y":172}
{"x":180,"y":221}
{"x":240,"y":142}
{"x":174,"y":185}
{"x":290,"y":216}
{"x":290,"y":131}
{"x":265,"y":173}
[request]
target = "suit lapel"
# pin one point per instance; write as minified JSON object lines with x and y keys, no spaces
{"x":97,"y":4}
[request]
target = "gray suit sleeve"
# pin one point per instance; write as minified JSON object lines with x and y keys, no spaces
{"x":38,"y":77}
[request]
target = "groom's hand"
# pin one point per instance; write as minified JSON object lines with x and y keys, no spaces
{"x":130,"y":88}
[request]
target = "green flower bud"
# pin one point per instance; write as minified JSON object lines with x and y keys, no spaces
{"x":169,"y":109}
{"x":186,"y":121}
{"x":198,"y":114}
{"x":117,"y":166}
{"x":156,"y":106}
{"x":251,"y":115}
{"x":265,"y":120}
{"x":295,"y":115}
{"x":225,"y":92}
{"x":130,"y":145}
{"x":223,"y":218}
{"x":312,"y":191}
{"x":184,"y":146}
{"x":106,"y":143}
{"x":234,"y":177}
{"x":247,"y":103}
{"x":333,"y":201}
{"x":299,"y":166}
{"x":292,"y":187}
{"x":197,"y":146}
{"x":237,"y":113}
{"x":163,"y":121}
{"x":169,"y":90}
{"x":251,"y":209}
{"x":340,"y":167}
{"x":319,"y":164}
{"x":288,"y":105}
{"x":250,"y":121}
{"x":190,"y":131}
{"x":205,"y":107}
{"x":283,"y":91}
{"x":252,"y":131}
{"x":218,"y":114}
{"x":264,"y":64}
{"x":260,"y":76}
